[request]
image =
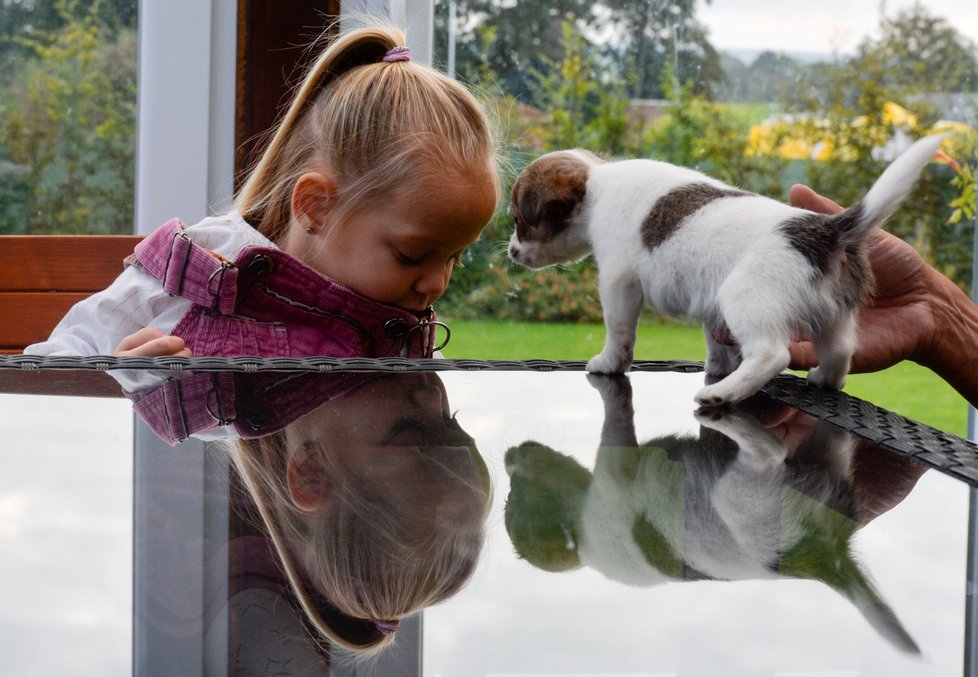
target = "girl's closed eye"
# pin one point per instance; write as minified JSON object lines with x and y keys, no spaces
{"x":409,"y":258}
{"x":415,"y":259}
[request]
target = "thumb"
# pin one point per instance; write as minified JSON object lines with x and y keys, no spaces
{"x":804,"y":197}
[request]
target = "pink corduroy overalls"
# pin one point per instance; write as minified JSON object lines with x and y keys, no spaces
{"x":266,"y":303}
{"x":253,"y":405}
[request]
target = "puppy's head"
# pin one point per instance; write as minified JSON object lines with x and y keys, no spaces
{"x":548,"y":198}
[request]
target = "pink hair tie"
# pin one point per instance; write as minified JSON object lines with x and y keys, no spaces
{"x":398,"y":54}
{"x":387,"y":627}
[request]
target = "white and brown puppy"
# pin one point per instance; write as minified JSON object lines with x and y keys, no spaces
{"x":689,"y":245}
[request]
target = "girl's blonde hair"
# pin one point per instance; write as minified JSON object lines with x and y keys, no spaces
{"x":364,"y":560}
{"x":375,"y":127}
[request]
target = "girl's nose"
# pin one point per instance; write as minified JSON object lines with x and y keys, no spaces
{"x":433,"y":281}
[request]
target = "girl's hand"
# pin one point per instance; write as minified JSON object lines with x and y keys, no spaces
{"x":898,"y":322}
{"x":149,"y":342}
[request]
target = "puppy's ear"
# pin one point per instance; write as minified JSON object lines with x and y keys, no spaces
{"x":547,"y":490}
{"x":559,"y":210}
{"x":548,"y":192}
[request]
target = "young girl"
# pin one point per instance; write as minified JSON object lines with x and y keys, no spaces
{"x":380,"y":174}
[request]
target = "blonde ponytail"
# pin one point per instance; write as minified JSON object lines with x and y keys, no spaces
{"x":375,"y":126}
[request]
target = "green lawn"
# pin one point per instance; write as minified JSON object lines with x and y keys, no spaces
{"x":907,"y":388}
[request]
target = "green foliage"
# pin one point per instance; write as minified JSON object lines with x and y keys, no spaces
{"x":505,"y":292}
{"x":853,"y":120}
{"x":67,"y":128}
{"x":921,"y":51}
{"x":711,"y":137}
{"x":512,"y":38}
{"x":584,"y":108}
{"x":654,"y":36}
{"x":22,"y":20}
{"x":963,"y":203}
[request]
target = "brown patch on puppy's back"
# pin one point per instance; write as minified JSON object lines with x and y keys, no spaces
{"x":670,"y":210}
{"x":547,"y":193}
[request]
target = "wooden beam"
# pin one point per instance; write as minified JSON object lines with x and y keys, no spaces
{"x":62,"y":263}
{"x":273,"y":37}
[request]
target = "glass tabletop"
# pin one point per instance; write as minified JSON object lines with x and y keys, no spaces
{"x":475,"y":523}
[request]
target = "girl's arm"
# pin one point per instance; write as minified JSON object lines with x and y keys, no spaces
{"x":99,"y":324}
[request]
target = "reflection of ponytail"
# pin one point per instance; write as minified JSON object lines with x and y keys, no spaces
{"x":372,"y":125}
{"x":359,"y":562}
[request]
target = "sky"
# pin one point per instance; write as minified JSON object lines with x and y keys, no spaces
{"x":825,"y":26}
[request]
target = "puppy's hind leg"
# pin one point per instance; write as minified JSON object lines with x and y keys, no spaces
{"x":764,"y":358}
{"x":834,"y":348}
{"x":721,"y":359}
{"x":763,"y":336}
{"x":621,"y":303}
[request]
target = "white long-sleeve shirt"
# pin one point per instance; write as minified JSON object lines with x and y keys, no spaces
{"x":135,"y":299}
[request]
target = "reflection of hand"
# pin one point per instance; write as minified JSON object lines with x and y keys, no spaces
{"x":149,"y":342}
{"x":880,"y":479}
{"x":898,"y":323}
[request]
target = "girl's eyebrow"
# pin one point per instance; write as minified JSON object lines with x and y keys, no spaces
{"x":420,"y":239}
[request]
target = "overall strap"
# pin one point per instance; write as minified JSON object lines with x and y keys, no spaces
{"x":181,"y":407}
{"x":186,"y":269}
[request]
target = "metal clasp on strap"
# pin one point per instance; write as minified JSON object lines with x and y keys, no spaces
{"x":183,"y":265}
{"x":424,"y":324}
{"x":398,"y":329}
{"x":219,"y":274}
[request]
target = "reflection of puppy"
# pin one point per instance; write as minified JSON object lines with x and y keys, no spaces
{"x":687,"y":244}
{"x":723,"y":506}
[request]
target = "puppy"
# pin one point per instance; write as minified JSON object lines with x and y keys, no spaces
{"x":687,"y":244}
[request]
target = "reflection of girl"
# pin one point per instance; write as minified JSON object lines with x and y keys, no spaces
{"x":375,"y":504}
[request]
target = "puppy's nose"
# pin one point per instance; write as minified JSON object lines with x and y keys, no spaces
{"x":513,"y":250}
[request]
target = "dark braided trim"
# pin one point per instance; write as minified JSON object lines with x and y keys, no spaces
{"x":946,"y":452}
{"x":312,"y":364}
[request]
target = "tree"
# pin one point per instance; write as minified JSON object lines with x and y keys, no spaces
{"x":506,"y":40}
{"x":649,"y":34}
{"x":67,"y":129}
{"x":24,"y":19}
{"x":923,"y":52}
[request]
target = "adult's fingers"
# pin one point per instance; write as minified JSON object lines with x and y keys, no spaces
{"x":804,"y":197}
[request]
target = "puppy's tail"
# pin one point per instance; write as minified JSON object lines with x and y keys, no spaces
{"x":890,"y":189}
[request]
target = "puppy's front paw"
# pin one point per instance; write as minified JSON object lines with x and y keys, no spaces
{"x":603,"y":364}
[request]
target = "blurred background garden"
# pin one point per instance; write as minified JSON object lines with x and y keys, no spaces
{"x":624,"y":78}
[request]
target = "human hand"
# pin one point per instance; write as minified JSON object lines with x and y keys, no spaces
{"x":149,"y":342}
{"x":898,"y":322}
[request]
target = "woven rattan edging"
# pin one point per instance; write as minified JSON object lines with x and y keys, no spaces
{"x":946,"y":452}
{"x":311,"y":364}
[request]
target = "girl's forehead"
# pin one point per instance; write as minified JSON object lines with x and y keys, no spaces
{"x":464,"y":205}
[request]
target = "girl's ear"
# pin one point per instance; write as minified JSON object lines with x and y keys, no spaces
{"x":312,"y":199}
{"x":308,"y":481}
